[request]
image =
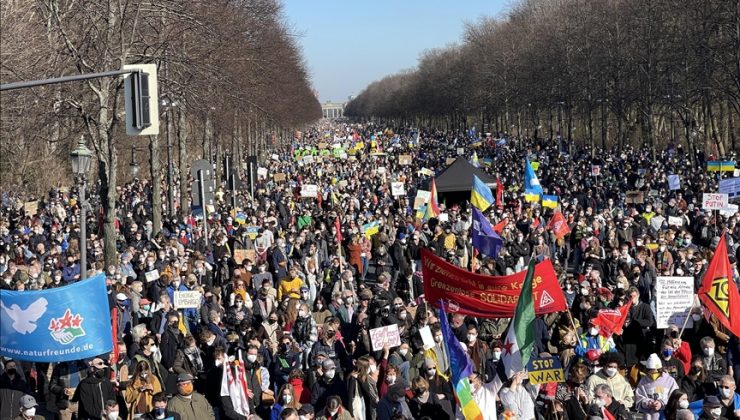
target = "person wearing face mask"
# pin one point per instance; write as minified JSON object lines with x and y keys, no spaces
{"x":425,"y":403}
{"x":714,"y":364}
{"x":160,"y":412}
{"x":477,"y":349}
{"x":171,"y":340}
{"x":729,"y":398}
{"x":653,"y":390}
{"x":28,"y":408}
{"x":437,"y":383}
{"x":593,"y":340}
{"x":711,"y":409}
{"x":394,"y":403}
{"x":93,"y":391}
{"x":190,"y":405}
{"x":678,"y":400}
{"x":610,"y":375}
{"x":304,"y":332}
{"x":189,"y":359}
{"x":334,"y":410}
{"x":287,"y":399}
{"x":637,"y":328}
{"x":140,"y":391}
{"x":605,"y":401}
{"x":65,"y":377}
{"x":330,"y":383}
{"x":671,"y":365}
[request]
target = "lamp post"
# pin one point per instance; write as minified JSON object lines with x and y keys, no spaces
{"x":133,"y":167}
{"x":81,"y":158}
{"x":167,"y":104}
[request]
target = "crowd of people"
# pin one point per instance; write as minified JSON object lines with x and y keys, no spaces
{"x":292,"y":285}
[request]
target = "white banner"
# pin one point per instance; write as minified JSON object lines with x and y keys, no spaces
{"x":309,"y":191}
{"x":714,"y":201}
{"x":379,"y":337}
{"x":673,"y":300}
{"x":675,"y":221}
{"x":261,"y":173}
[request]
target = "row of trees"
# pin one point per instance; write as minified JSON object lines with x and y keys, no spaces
{"x":622,"y":70}
{"x":230,"y":72}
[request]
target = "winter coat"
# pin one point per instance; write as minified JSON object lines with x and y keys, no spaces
{"x":194,"y":408}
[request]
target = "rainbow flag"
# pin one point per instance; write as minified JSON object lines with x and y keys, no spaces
{"x":433,"y":207}
{"x":461,"y":368}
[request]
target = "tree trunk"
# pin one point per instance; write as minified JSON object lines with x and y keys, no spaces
{"x":155,"y":171}
{"x":182,"y":144}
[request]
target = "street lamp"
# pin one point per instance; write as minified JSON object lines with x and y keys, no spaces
{"x":133,"y":167}
{"x":81,"y":158}
{"x":166,"y":104}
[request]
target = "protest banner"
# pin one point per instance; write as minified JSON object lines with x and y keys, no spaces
{"x":241,"y":255}
{"x":187,"y":299}
{"x":309,"y":191}
{"x":731,"y":187}
{"x":397,"y":189}
{"x":56,"y":325}
{"x":308,"y":159}
{"x":675,"y":221}
{"x":634,"y":197}
{"x":253,"y":232}
{"x":488,"y":296}
{"x":404,"y":160}
{"x":31,"y":207}
{"x":713,"y":201}
{"x":729,"y":211}
{"x":381,"y":336}
{"x":674,"y":182}
{"x":422,"y":197}
{"x":279,"y":177}
{"x":544,"y":370}
{"x":674,"y":297}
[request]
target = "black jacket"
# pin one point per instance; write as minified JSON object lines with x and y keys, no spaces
{"x":434,"y":408}
{"x":91,"y":394}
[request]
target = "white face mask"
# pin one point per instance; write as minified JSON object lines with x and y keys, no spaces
{"x":594,"y":331}
{"x":287,"y":398}
{"x":716,"y":412}
{"x":251,"y":358}
{"x":403,"y":352}
{"x":683,"y":403}
{"x":695,"y":317}
{"x":372,"y":368}
{"x":709,"y":351}
{"x":391,"y":379}
{"x":725,"y":393}
{"x":497,"y":355}
{"x":431,"y":371}
{"x":220,"y":362}
{"x":30,"y":412}
{"x":329,"y":374}
{"x":610,"y":372}
{"x":471,"y":337}
{"x":113,"y":415}
{"x":600,"y":402}
{"x":438,"y":338}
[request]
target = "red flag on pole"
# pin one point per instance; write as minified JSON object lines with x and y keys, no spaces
{"x":337,"y":226}
{"x":718,"y":292}
{"x":558,"y":225}
{"x":499,"y":193}
{"x":499,"y":227}
{"x":433,"y":203}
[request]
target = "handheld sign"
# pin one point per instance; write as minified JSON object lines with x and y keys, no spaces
{"x":185,"y":300}
{"x":544,"y":370}
{"x":379,"y":337}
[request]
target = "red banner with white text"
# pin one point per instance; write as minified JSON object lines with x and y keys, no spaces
{"x":488,"y":296}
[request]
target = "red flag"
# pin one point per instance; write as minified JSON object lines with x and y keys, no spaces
{"x":114,"y":326}
{"x":499,"y":227}
{"x":718,"y":292}
{"x":611,"y":321}
{"x":339,"y":230}
{"x":558,"y":225}
{"x":606,"y":415}
{"x":433,"y":204}
{"x":499,"y":193}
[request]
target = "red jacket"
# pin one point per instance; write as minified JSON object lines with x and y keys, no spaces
{"x":683,"y":355}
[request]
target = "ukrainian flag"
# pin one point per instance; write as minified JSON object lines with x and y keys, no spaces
{"x":550,"y":201}
{"x":481,"y":196}
{"x":474,"y":161}
{"x":370,"y":229}
{"x":720,"y":166}
{"x":531,"y":197}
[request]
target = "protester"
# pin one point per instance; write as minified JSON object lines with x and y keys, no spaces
{"x":299,"y":312}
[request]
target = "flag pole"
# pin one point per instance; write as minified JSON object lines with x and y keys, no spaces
{"x":688,"y":315}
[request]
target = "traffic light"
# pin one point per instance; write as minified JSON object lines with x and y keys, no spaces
{"x":141,"y":99}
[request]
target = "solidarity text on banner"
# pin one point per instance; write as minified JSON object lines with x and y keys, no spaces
{"x":55,"y":325}
{"x":488,"y":296}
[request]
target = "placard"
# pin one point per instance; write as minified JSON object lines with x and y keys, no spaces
{"x":426,"y":172}
{"x":261,"y":173}
{"x":729,"y":211}
{"x":151,"y":275}
{"x":404,"y":159}
{"x":675,"y":221}
{"x":713,"y":201}
{"x":308,"y":159}
{"x":31,"y":207}
{"x":674,"y":297}
{"x":450,"y":161}
{"x":279,"y":177}
{"x":426,"y":337}
{"x":460,"y":151}
{"x":730,"y":186}
{"x":397,"y":189}
{"x":595,"y":170}
{"x":275,"y":156}
{"x":240,"y":255}
{"x":253,"y":231}
{"x":674,"y":182}
{"x":381,"y":170}
{"x":422,"y":197}
{"x":187,"y":300}
{"x":545,"y":370}
{"x":389,"y":335}
{"x":309,"y":191}
{"x":443,"y":217}
{"x":634,"y":197}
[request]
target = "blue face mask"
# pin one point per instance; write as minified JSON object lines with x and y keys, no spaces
{"x":667,"y":352}
{"x":159,"y":411}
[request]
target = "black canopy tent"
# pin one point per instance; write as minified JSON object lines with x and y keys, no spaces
{"x":455,"y":183}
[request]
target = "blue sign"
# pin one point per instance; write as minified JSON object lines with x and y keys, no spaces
{"x":731,"y":187}
{"x":56,"y":325}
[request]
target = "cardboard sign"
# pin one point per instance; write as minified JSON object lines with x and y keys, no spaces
{"x":545,"y":370}
{"x":397,"y":189}
{"x":187,"y":300}
{"x":151,"y":275}
{"x":241,"y":255}
{"x":422,"y":197}
{"x":309,"y":191}
{"x":389,"y":335}
{"x":634,"y":197}
{"x":674,"y":297}
{"x":675,"y":221}
{"x":713,"y":201}
{"x":674,"y":182}
{"x":279,"y":177}
{"x":31,"y":207}
{"x":404,"y":160}
{"x":261,"y":173}
{"x":426,"y":337}
{"x":322,"y":145}
{"x":308,"y":159}
{"x":450,"y":161}
{"x":426,"y":172}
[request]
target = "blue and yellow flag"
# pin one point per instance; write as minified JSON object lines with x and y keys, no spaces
{"x":720,"y":166}
{"x":480,"y":195}
{"x":550,"y":201}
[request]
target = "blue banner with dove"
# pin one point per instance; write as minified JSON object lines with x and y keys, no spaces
{"x":55,"y":325}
